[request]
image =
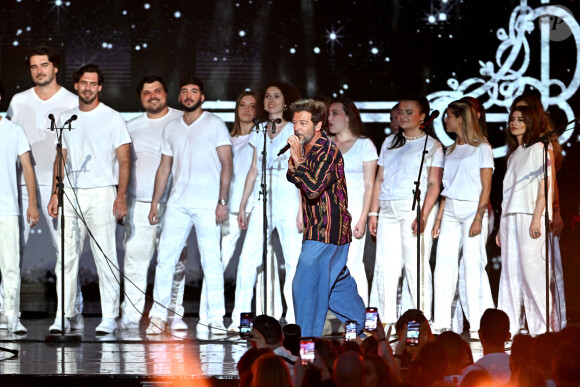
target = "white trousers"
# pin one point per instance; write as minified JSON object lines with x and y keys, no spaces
{"x":251,"y":257}
{"x":397,"y":251}
{"x":454,"y":239}
{"x":43,"y":194}
{"x":523,"y":275}
{"x":96,"y":206}
{"x":177,"y":225}
{"x":356,"y":252}
{"x":141,"y":240}
{"x":10,"y":264}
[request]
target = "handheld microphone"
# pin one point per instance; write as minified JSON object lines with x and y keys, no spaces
{"x":429,"y":119}
{"x":51,"y":118}
{"x":284,"y":149}
{"x":71,"y":119}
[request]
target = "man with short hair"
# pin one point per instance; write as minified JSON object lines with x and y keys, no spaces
{"x":322,"y":281}
{"x":197,"y":151}
{"x":271,"y":330}
{"x":96,"y":157}
{"x":31,"y":109}
{"x":494,"y":331}
{"x":141,"y":237}
{"x":13,"y":148}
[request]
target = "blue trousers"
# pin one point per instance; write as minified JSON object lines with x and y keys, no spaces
{"x":323,"y":282}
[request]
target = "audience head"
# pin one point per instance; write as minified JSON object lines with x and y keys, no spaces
{"x":327,"y":351}
{"x":457,"y":350}
{"x":370,"y":346}
{"x":542,"y":350}
{"x":528,"y":376}
{"x":477,"y":379}
{"x":349,"y":369}
{"x":275,"y":98}
{"x":270,"y":370}
{"x":270,"y":328}
{"x":520,"y":353}
{"x":352,"y":346}
{"x":566,"y":364}
{"x":494,"y":328}
{"x":431,"y":365}
{"x":245,"y":363}
{"x":244,"y":112}
{"x":377,"y":372}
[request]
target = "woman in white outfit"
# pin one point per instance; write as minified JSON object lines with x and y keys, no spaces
{"x":521,"y":233}
{"x":360,"y":165}
{"x":461,"y":224}
{"x":283,"y":205}
{"x":395,"y":226}
{"x":556,"y":225}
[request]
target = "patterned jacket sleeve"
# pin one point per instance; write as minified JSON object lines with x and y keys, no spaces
{"x":315,"y":176}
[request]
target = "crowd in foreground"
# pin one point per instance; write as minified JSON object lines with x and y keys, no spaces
{"x":550,"y":359}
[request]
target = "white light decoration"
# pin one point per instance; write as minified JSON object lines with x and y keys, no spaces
{"x":375,"y":50}
{"x":242,"y":33}
{"x":431,"y":19}
{"x":443,"y":16}
{"x":507,"y":78}
{"x":316,"y":50}
{"x":15,"y":43}
{"x":177,"y":14}
{"x":146,"y":5}
{"x":292,"y":51}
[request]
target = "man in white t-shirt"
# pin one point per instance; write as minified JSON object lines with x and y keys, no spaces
{"x":494,"y":331}
{"x":96,"y":158}
{"x":197,"y":151}
{"x":31,"y":109}
{"x":141,"y":237}
{"x":13,"y":147}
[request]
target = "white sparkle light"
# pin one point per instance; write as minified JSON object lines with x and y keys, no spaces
{"x":15,"y":43}
{"x":58,"y":3}
{"x":146,"y":5}
{"x":242,"y":33}
{"x":125,"y":12}
{"x":387,"y":59}
{"x":144,"y":45}
{"x":316,"y":50}
{"x":28,"y":28}
{"x":375,"y":50}
{"x":18,"y":32}
{"x":177,"y":14}
{"x":427,"y":80}
{"x":345,"y":86}
{"x":431,"y":19}
{"x":104,"y":45}
{"x":137,"y":47}
{"x":110,"y":45}
{"x":341,"y":91}
{"x":332,"y":36}
{"x":292,"y":51}
{"x":443,"y":16}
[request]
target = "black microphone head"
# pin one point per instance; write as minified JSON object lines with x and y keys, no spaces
{"x":74,"y":117}
{"x":435,"y":114}
{"x":256,"y":121}
{"x":51,"y":117}
{"x":277,"y":120}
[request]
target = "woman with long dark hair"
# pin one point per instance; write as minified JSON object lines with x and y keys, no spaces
{"x":360,"y":165}
{"x":392,"y":219}
{"x":521,"y":233}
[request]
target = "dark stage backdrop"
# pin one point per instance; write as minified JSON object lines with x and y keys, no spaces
{"x":372,"y":51}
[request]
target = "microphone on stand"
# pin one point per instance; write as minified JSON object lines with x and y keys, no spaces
{"x":71,"y":119}
{"x":256,"y":124}
{"x":429,"y":119}
{"x":52,"y":122}
{"x":274,"y":122}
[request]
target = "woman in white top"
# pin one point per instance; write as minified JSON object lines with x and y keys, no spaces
{"x":461,"y":223}
{"x":283,"y":205}
{"x":521,"y":234}
{"x":396,"y":225}
{"x":360,"y":165}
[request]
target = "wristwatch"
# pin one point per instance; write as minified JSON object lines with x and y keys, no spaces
{"x":223,"y":202}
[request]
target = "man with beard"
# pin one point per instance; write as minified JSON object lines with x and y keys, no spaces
{"x":197,"y":151}
{"x":90,"y":151}
{"x":322,"y":281}
{"x":30,"y":109}
{"x":141,"y":237}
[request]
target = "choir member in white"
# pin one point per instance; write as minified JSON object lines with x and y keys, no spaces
{"x":96,"y":159}
{"x":197,"y":151}
{"x":360,"y":166}
{"x":461,"y":223}
{"x":521,"y":235}
{"x":283,"y":211}
{"x":141,"y":237}
{"x":396,"y":224}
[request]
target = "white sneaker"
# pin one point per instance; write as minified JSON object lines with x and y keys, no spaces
{"x":15,"y":326}
{"x":107,"y":325}
{"x":3,"y":322}
{"x":156,"y":326}
{"x":77,"y":323}
{"x":202,"y":327}
{"x":177,"y":324}
{"x":129,"y":324}
{"x":57,"y":328}
{"x":217,"y":328}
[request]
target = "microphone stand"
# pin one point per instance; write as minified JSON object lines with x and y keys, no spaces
{"x":545,"y":139}
{"x":63,"y":338}
{"x":417,"y":205}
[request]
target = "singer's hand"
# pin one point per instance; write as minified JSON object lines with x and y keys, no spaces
{"x":295,"y":149}
{"x":53,"y":206}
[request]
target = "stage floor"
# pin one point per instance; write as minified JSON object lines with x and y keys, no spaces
{"x":130,"y":356}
